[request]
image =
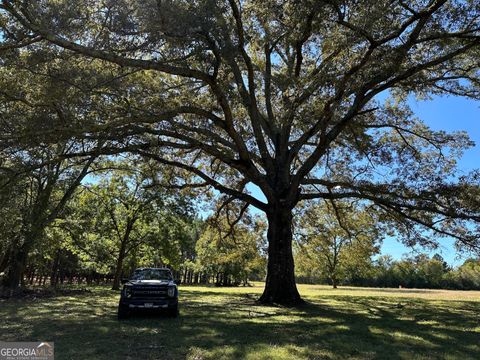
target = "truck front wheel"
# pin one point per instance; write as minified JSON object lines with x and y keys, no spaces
{"x":173,"y":312}
{"x":123,"y":312}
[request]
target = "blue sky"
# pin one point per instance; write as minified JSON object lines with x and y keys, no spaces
{"x":453,"y":114}
{"x":450,"y":114}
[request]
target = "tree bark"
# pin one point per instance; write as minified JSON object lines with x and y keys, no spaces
{"x":122,"y":253}
{"x":54,"y":274}
{"x":280,"y":287}
{"x":18,"y":261}
{"x":32,"y":276}
{"x":119,"y":266}
{"x":5,"y":258}
{"x":334,"y":282}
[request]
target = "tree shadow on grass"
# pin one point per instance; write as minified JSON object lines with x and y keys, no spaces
{"x":233,"y":326}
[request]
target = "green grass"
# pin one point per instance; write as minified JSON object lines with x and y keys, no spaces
{"x":226,"y":323}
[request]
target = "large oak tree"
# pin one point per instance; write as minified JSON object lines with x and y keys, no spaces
{"x":285,"y":95}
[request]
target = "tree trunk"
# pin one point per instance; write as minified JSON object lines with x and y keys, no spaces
{"x":17,"y":264}
{"x":54,"y":274}
{"x":5,"y":258}
{"x":119,"y":266}
{"x":280,"y":284}
{"x":334,"y":281}
{"x":62,"y":275}
{"x":122,"y":253}
{"x":32,"y":276}
{"x":22,"y":279}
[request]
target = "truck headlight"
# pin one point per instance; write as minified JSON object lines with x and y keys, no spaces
{"x":127,"y":292}
{"x":171,"y":291}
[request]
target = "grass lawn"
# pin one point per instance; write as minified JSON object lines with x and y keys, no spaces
{"x":225,"y":323}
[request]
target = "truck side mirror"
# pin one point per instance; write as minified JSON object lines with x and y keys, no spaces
{"x":124,"y":281}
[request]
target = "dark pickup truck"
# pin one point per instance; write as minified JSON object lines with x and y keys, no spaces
{"x":149,"y":289}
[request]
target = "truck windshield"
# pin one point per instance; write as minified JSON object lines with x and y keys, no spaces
{"x":152,"y":274}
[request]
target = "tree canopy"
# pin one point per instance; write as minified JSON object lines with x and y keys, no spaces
{"x":334,"y":239}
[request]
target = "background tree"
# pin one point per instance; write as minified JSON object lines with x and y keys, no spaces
{"x":43,"y":194}
{"x":39,"y":174}
{"x":231,"y":254}
{"x":284,"y":96}
{"x":333,"y":238}
{"x":467,"y":276}
{"x":120,"y":212}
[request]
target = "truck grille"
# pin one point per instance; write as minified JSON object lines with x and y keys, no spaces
{"x":149,"y":292}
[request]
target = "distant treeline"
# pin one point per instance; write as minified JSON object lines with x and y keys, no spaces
{"x":415,"y":272}
{"x":58,"y":274}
